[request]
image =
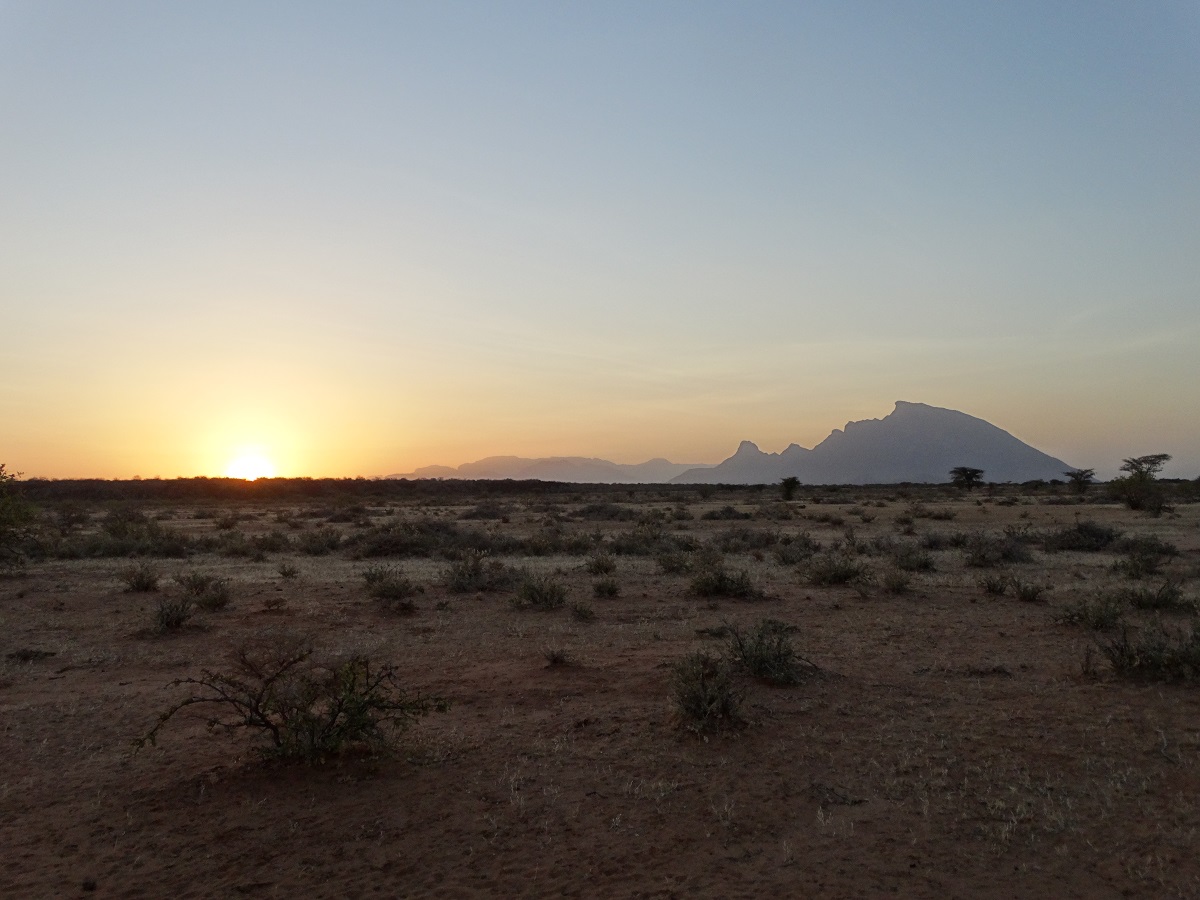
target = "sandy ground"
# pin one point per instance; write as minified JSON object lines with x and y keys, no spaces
{"x":951,"y":745}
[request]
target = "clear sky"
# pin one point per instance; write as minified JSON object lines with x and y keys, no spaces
{"x":358,"y":238}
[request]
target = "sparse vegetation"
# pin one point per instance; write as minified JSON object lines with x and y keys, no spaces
{"x":1167,"y":596}
{"x":600,"y":563}
{"x":476,"y":571}
{"x":1099,"y":614}
{"x":541,"y":592}
{"x":305,"y":708}
{"x":606,"y":588}
{"x":717,"y":581}
{"x":16,"y":519}
{"x":706,"y":697}
{"x":389,"y":586}
{"x":834,"y":568}
{"x":141,"y":578}
{"x":1155,"y":653}
{"x":766,"y":651}
{"x":172,"y":613}
{"x":210,"y":592}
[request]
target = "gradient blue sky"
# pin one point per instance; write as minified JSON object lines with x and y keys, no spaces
{"x":366,"y":237}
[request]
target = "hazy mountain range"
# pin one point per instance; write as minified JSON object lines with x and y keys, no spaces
{"x":915,"y":442}
{"x":577,"y":469}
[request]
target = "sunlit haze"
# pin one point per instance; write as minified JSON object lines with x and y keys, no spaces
{"x":355,"y":239}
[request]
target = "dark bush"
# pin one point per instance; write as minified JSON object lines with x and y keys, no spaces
{"x":705,"y":695}
{"x":306,"y":709}
{"x":766,"y":651}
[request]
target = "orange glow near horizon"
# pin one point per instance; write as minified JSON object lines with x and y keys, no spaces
{"x":250,"y":465}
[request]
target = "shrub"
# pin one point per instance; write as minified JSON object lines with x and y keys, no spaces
{"x":172,"y":613}
{"x":704,"y":692}
{"x":1167,"y":596}
{"x":725,"y":513}
{"x":985,"y":551}
{"x":141,"y":578}
{"x":717,"y":581}
{"x":1026,"y":591}
{"x":606,"y":512}
{"x":745,"y":540}
{"x":274,"y":541}
{"x":305,"y":709}
{"x":287,"y":571}
{"x":211,"y":592}
{"x":911,"y":558}
{"x":539,"y":592}
{"x":556,"y":656}
{"x":319,"y":542}
{"x":795,"y":549}
{"x":601,"y":563}
{"x":994,"y":584}
{"x":1085,"y":536}
{"x":1155,"y":653}
{"x":674,"y":563}
{"x":1099,"y":615}
{"x":766,"y":651}
{"x":896,"y":581}
{"x":474,"y":571}
{"x":835,"y":567}
{"x":16,"y":520}
{"x":1137,"y":564}
{"x":581,"y":612}
{"x":388,"y":585}
{"x":607,"y":588}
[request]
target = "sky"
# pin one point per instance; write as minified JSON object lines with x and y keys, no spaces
{"x":358,"y":238}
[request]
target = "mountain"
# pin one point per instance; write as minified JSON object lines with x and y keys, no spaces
{"x":914,"y":442}
{"x":574,"y":469}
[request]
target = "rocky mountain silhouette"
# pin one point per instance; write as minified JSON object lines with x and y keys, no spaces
{"x":914,"y":443}
{"x":572,"y":469}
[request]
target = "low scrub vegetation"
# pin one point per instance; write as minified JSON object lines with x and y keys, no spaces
{"x":766,"y":651}
{"x":210,"y":592}
{"x":834,"y":568}
{"x":390,"y":587}
{"x":301,"y":707}
{"x":717,"y":581}
{"x":541,"y":592}
{"x":1155,"y":653}
{"x":706,"y":697}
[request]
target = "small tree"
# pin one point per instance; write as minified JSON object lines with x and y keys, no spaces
{"x":307,"y":709}
{"x":1139,"y":489}
{"x":965,"y":477}
{"x":788,"y":487}
{"x":1080,"y":479}
{"x":16,"y":516}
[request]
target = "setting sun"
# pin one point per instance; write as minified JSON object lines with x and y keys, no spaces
{"x":250,"y":466}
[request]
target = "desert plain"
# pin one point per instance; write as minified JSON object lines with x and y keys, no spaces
{"x":956,"y":725}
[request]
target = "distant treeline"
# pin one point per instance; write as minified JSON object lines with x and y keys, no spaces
{"x":358,"y":490}
{"x":283,"y":490}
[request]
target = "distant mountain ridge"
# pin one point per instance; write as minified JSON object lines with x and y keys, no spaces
{"x":571,"y":469}
{"x":914,"y":443}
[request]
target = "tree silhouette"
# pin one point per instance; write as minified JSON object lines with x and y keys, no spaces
{"x":1140,"y":489}
{"x":788,"y":487}
{"x":966,"y":477}
{"x":1080,"y":479}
